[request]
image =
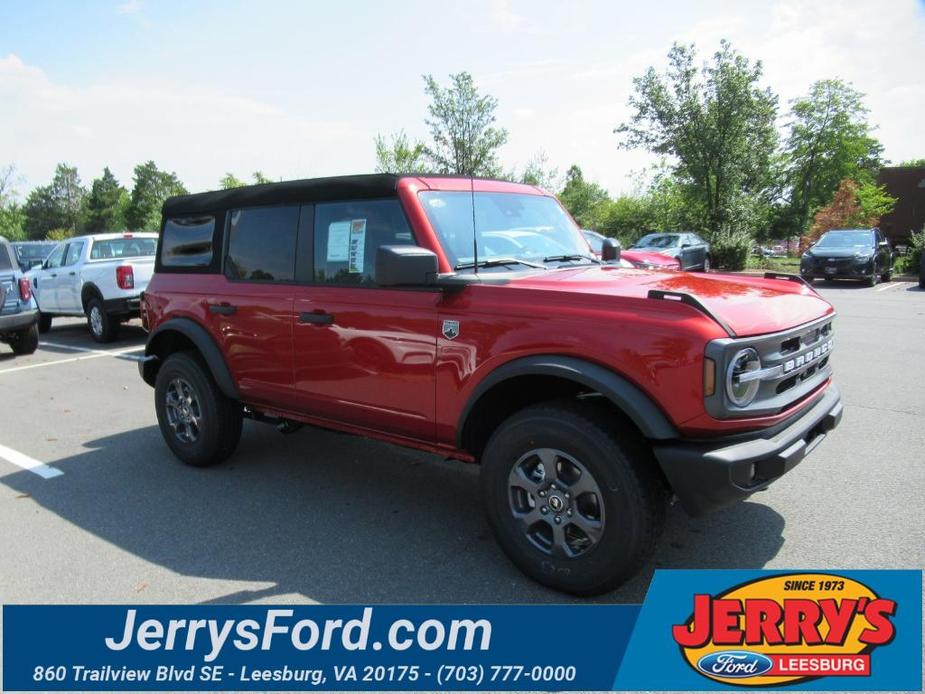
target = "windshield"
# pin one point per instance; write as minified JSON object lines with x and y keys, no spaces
{"x":527,"y":228}
{"x":846,"y":239}
{"x":657,"y":241}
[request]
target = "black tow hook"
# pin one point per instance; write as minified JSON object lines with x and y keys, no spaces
{"x":287,"y":426}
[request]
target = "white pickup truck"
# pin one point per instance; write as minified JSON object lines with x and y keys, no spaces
{"x":100,"y":276}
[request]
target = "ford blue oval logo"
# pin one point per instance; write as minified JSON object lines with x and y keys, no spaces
{"x":734,"y":664}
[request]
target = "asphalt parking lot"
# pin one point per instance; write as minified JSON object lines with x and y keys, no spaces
{"x":107,"y":514}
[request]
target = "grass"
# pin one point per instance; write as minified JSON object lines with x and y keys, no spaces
{"x":779,"y":264}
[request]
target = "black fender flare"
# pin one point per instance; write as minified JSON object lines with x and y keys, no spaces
{"x":207,"y":347}
{"x":638,"y":406}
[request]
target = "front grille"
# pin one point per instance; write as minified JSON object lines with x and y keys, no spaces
{"x":793,"y":364}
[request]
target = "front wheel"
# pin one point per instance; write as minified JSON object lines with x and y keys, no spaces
{"x":199,"y":423}
{"x":103,"y":327}
{"x":574,"y":501}
{"x":706,"y":264}
{"x":25,"y":341}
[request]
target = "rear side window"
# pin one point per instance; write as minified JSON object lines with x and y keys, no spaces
{"x":187,"y":242}
{"x":130,"y":247}
{"x":262,"y":243}
{"x":73,"y":252}
{"x":348,"y":235}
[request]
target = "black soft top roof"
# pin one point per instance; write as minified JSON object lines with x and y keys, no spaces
{"x":362,"y":187}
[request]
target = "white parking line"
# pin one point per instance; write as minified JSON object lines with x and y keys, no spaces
{"x":892,"y":285}
{"x":30,"y":464}
{"x":93,"y":354}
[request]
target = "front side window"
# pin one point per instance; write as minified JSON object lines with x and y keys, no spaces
{"x":262,"y":243}
{"x":56,"y":257}
{"x":187,"y":242}
{"x":526,"y":229}
{"x":73,"y":252}
{"x":348,"y":236}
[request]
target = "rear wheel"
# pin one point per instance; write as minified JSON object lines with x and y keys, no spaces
{"x":25,"y":341}
{"x":874,"y":278}
{"x":44,"y":322}
{"x":199,"y":423}
{"x":573,"y":500}
{"x":887,"y":276}
{"x":103,"y":327}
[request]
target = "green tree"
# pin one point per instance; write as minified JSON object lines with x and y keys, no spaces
{"x":915,"y":163}
{"x":57,"y":205}
{"x":716,"y":123}
{"x":583,"y":199}
{"x":59,"y":234}
{"x":829,"y":141}
{"x":398,"y":154}
{"x":12,"y":217}
{"x":152,"y":187}
{"x":229,"y":180}
{"x":104,"y":207}
{"x":260,"y":178}
{"x":538,"y":172}
{"x":465,"y":139}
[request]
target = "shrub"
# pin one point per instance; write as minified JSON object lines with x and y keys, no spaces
{"x":59,"y":234}
{"x":730,"y":249}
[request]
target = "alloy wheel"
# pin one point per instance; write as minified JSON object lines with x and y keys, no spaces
{"x":184,"y":413}
{"x":556,"y":503}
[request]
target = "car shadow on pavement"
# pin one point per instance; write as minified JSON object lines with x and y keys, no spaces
{"x":338,"y":519}
{"x":75,"y":334}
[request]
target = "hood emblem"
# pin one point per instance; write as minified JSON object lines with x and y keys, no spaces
{"x":451,"y":329}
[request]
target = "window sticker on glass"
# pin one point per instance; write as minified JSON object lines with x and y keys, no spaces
{"x":357,"y":245}
{"x":338,"y":242}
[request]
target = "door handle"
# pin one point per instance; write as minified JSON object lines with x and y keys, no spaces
{"x":223,"y":309}
{"x":72,"y":273}
{"x":54,"y":274}
{"x":316,"y":318}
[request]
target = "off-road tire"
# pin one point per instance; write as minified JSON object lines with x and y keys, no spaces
{"x":620,"y":463}
{"x":103,"y":327}
{"x":221,"y":417}
{"x":25,"y":341}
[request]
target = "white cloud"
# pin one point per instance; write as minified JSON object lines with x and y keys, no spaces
{"x":130,"y":7}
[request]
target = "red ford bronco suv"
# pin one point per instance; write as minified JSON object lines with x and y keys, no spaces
{"x":469,"y":318}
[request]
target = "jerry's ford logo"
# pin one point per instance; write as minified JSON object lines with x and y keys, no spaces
{"x":785,"y":629}
{"x":734,"y":664}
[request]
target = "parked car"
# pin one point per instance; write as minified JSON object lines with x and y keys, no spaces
{"x":860,"y":254}
{"x":691,"y":251}
{"x":589,"y":393}
{"x":100,"y":276}
{"x":30,"y":254}
{"x":640,"y":259}
{"x":18,"y":314}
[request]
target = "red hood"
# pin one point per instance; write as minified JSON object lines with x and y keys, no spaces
{"x":749,"y":305}
{"x":650,"y":258}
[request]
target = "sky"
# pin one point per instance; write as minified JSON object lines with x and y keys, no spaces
{"x":299,"y":89}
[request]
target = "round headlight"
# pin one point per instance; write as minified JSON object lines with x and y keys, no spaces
{"x":742,"y":392}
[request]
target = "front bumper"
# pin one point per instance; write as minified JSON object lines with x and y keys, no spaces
{"x":18,"y":321}
{"x":706,"y":475}
{"x":839,"y":269}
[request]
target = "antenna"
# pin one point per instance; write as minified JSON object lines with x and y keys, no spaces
{"x":475,"y":238}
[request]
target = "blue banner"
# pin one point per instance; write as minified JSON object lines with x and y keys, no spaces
{"x":845,"y":630}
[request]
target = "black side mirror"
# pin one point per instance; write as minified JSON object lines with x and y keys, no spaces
{"x":405,"y":266}
{"x":610,"y":250}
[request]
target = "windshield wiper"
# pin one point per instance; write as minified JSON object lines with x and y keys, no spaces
{"x":495,"y":262}
{"x":572,"y":256}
